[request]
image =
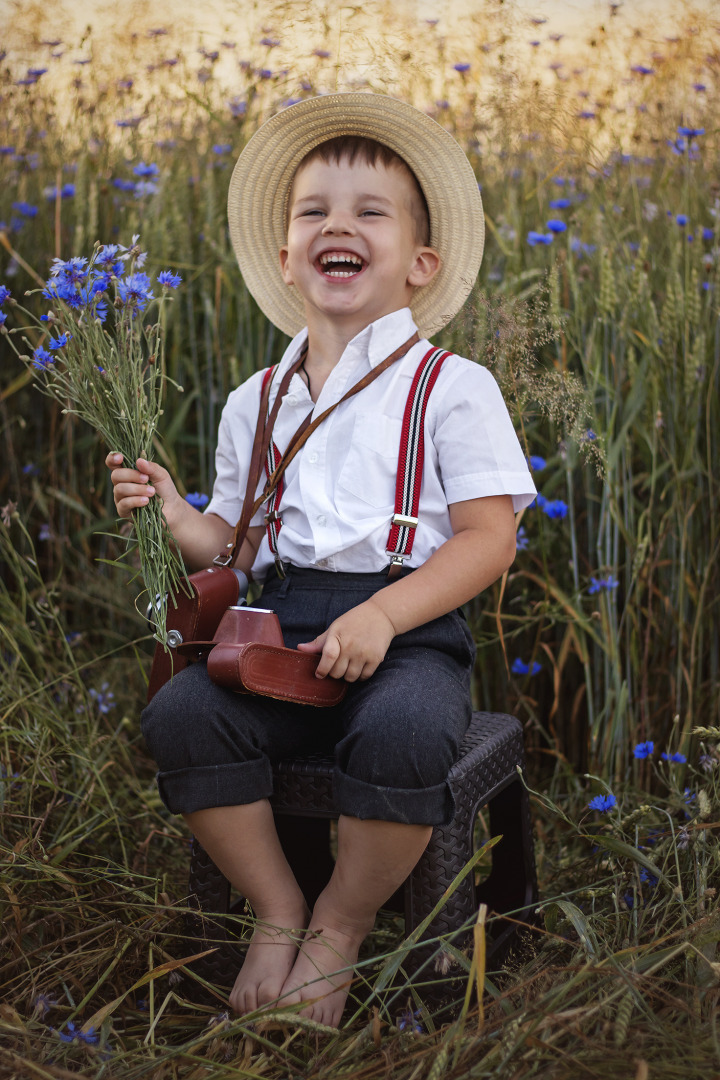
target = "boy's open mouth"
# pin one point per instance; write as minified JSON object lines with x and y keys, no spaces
{"x":340,"y":264}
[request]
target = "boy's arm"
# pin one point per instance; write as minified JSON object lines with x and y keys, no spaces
{"x":480,"y":551}
{"x":200,"y":537}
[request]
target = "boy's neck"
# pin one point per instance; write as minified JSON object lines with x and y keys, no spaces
{"x":327,"y":341}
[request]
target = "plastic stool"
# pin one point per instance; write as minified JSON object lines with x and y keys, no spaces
{"x":486,"y":775}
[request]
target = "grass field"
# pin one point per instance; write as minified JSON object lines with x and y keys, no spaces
{"x":597,"y":310}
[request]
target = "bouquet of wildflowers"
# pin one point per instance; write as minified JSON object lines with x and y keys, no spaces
{"x":102,"y":362}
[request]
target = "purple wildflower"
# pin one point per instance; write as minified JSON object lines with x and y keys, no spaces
{"x":42,"y":358}
{"x":606,"y":584}
{"x":644,"y":749}
{"x":603,"y":803}
{"x":519,"y":667}
{"x":168,"y":279}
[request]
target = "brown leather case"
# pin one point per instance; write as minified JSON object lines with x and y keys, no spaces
{"x":249,"y":656}
{"x":195,"y":617}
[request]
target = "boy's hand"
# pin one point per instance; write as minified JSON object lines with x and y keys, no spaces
{"x":353,"y":645}
{"x":135,"y":487}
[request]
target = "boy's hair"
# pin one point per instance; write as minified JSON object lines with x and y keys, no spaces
{"x":352,"y":147}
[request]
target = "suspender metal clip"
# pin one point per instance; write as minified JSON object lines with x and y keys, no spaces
{"x":272,"y":516}
{"x":405,"y":521}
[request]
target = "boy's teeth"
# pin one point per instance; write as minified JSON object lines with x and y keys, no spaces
{"x":346,"y":259}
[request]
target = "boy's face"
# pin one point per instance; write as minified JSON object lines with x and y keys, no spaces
{"x":352,"y":251}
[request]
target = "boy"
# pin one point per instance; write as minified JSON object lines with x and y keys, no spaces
{"x":375,"y":211}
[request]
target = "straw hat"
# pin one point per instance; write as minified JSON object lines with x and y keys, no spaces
{"x":260,"y":184}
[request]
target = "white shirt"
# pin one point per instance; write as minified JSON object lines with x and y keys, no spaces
{"x":339,"y":492}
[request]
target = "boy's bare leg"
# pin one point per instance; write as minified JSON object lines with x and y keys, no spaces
{"x":243,"y":843}
{"x":374,"y":858}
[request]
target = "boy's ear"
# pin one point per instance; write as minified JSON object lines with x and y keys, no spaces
{"x":284,"y":268}
{"x":427,"y":264}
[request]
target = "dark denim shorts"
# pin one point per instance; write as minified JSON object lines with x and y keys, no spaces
{"x":394,"y":737}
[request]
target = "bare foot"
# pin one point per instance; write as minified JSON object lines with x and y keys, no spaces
{"x":269,"y":959}
{"x":320,"y":975}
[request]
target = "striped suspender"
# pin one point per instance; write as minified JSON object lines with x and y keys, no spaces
{"x":409,"y":471}
{"x":410,"y":460}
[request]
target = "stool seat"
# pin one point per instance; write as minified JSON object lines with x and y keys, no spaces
{"x":485,"y":776}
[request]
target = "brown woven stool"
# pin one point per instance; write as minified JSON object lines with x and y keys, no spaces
{"x":485,"y":777}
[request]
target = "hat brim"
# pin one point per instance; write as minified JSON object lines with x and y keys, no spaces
{"x":260,"y":186}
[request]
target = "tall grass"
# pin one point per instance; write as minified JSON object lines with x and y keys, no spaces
{"x":606,"y":342}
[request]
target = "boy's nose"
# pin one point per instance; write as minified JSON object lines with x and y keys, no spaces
{"x":338,"y":222}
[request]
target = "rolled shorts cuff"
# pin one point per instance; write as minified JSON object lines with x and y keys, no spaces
{"x":409,"y":806}
{"x":185,"y":790}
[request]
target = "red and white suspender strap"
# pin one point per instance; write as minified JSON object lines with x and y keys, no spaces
{"x":410,"y":459}
{"x":409,"y":471}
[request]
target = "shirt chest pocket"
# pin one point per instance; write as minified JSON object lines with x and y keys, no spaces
{"x":370,"y":469}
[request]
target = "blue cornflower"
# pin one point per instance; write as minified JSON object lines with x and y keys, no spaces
{"x":560,"y":204}
{"x":640,"y":69}
{"x":690,"y":133}
{"x":43,"y":1003}
{"x":237,"y":107}
{"x":602,"y":584}
{"x":123,"y":185}
{"x":134,"y":291}
{"x":168,"y":279}
{"x":519,"y":667}
{"x":7,"y":150}
{"x":30,"y":469}
{"x":647,"y":878}
{"x":265,"y":73}
{"x":708,"y":234}
{"x":537,"y":464}
{"x":322,"y":54}
{"x":73,"y":270}
{"x":589,"y":436}
{"x":629,"y":900}
{"x":270,"y":43}
{"x":145,"y":187}
{"x":45,"y":532}
{"x":5,"y":294}
{"x":521,"y":539}
{"x":74,"y":1034}
{"x":603,"y":803}
{"x":540,"y":501}
{"x":26,"y":209}
{"x":42,"y":358}
{"x":586,"y":114}
{"x":644,"y":749}
{"x":556,"y":509}
{"x":146,"y":170}
{"x":461,"y":67}
{"x":534,"y":238}
{"x":197,"y":499}
{"x":676,"y":758}
{"x":60,"y":342}
{"x":682,"y":219}
{"x":555,"y":225}
{"x":107,"y":255}
{"x":222,"y":148}
{"x":3,"y":317}
{"x":104,"y":698}
{"x":408,"y":1021}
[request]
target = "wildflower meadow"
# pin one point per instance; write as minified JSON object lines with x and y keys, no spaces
{"x":596,"y":308}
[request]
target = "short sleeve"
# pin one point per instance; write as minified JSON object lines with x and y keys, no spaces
{"x":479,"y":453}
{"x":234,"y":450}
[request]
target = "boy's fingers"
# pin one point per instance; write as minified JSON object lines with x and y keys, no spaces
{"x":330,"y":654}
{"x":314,"y":646}
{"x":114,"y":459}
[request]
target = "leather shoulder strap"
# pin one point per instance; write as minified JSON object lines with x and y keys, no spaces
{"x":261,"y":441}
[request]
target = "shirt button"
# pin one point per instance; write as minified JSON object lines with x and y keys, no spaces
{"x":312,"y":458}
{"x":291,"y":399}
{"x":322,"y":520}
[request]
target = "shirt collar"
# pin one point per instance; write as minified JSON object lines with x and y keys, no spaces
{"x":377,"y":341}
